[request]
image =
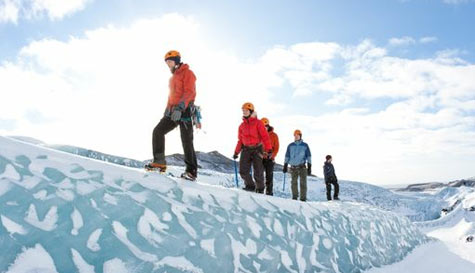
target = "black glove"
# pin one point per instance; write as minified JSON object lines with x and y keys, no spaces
{"x":309,"y":168}
{"x":235,"y":156}
{"x":285,"y":167}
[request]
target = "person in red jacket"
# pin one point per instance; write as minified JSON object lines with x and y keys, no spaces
{"x":252,"y":136}
{"x":269,"y":161}
{"x":179,"y":112}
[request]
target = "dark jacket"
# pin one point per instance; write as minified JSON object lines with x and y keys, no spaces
{"x":329,"y":172}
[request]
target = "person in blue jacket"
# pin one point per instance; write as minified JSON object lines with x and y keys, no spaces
{"x":297,"y":155}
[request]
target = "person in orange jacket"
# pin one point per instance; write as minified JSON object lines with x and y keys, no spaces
{"x":179,"y":112}
{"x":269,"y":161}
{"x":253,"y":144}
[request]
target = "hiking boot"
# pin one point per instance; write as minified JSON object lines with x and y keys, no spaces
{"x":246,"y":188}
{"x":260,"y":191}
{"x":152,"y":166}
{"x":188,"y":176}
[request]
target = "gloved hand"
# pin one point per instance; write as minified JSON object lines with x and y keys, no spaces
{"x":235,"y":156}
{"x":285,"y":168}
{"x":176,"y":115}
{"x":309,"y":168}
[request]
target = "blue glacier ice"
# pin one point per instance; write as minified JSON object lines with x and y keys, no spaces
{"x":64,"y":213}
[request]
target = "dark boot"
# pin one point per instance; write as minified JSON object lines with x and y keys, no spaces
{"x":252,"y":189}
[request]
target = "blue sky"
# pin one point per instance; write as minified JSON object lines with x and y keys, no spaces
{"x":250,"y":27}
{"x":385,"y":86}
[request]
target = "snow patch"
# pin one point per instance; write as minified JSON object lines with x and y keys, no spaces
{"x":115,"y":265}
{"x":208,"y":245}
{"x":180,"y":263}
{"x":11,"y":173}
{"x":121,"y":234}
{"x":40,"y":195}
{"x":32,"y":260}
{"x":48,"y":223}
{"x":92,"y":242}
{"x":12,"y":227}
{"x":81,"y":264}
{"x":110,"y":199}
{"x":77,"y":221}
{"x":147,"y":226}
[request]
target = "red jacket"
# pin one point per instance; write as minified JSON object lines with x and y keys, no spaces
{"x":182,"y":87}
{"x":252,"y":132}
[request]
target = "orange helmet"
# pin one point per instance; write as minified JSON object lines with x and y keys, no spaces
{"x":172,"y":54}
{"x":249,"y":106}
{"x":298,"y":132}
{"x":265,"y":121}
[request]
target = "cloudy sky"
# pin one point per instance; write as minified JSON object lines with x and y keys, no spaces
{"x":386,"y":87}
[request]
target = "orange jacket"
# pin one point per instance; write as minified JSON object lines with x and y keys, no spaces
{"x":274,"y":140}
{"x":252,"y":132}
{"x":182,"y":87}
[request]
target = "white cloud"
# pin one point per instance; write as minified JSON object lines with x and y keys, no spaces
{"x":456,"y":2}
{"x":107,"y":91}
{"x":403,"y":41}
{"x":11,"y":10}
{"x":428,"y":39}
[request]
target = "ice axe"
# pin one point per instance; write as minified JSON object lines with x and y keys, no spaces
{"x":236,"y":173}
{"x":283,"y":185}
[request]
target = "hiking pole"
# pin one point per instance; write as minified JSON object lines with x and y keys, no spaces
{"x":283,"y":186}
{"x":236,"y":173}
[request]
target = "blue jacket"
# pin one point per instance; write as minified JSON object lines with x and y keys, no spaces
{"x":298,"y":153}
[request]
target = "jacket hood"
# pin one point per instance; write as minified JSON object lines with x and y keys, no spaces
{"x":252,"y":116}
{"x":182,"y":68}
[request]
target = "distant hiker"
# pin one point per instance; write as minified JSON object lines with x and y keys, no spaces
{"x":269,"y":161}
{"x":180,"y":111}
{"x":253,"y":144}
{"x":330,"y":178}
{"x":298,"y":153}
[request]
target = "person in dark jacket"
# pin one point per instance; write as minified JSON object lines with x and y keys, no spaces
{"x":269,"y":161}
{"x":253,"y":145}
{"x":330,"y":178}
{"x":298,"y":153}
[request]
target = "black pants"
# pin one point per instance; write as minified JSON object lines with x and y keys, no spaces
{"x":336,"y":187}
{"x":252,"y":157}
{"x":186,"y":131}
{"x":269,"y":173}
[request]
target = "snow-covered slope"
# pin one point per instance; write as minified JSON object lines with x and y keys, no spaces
{"x":214,"y":160}
{"x":217,"y":169}
{"x":458,"y":225}
{"x":64,"y":213}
